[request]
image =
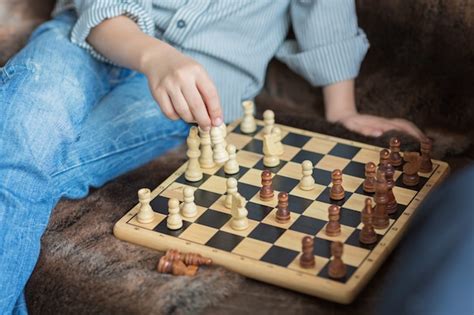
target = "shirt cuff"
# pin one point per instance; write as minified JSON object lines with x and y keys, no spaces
{"x":102,"y":10}
{"x":326,"y":64}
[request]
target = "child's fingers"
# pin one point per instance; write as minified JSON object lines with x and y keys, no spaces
{"x":196,"y":105}
{"x":409,"y":127}
{"x":164,"y":102}
{"x":180,"y":105}
{"x":211,"y":99}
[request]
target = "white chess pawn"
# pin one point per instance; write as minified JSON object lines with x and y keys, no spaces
{"x":248,"y":124}
{"x":220,"y":154}
{"x":231,"y":167}
{"x":231,"y":184}
{"x":205,"y":159}
{"x":174,"y":220}
{"x":193,"y":170}
{"x":188,"y":207}
{"x":239,"y":219}
{"x":145,"y":213}
{"x":269,"y":121}
{"x":307,"y":181}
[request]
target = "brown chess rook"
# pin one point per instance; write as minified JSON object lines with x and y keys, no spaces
{"x":333,"y":227}
{"x":188,"y":258}
{"x":395,"y":157}
{"x":337,"y":269}
{"x":425,"y":147}
{"x":175,"y":267}
{"x":367,"y":234}
{"x":370,"y":177}
{"x":266,"y":192}
{"x":307,"y":257}
{"x":337,"y":191}
{"x":411,"y":168}
{"x":381,"y":219}
{"x":282,"y":213}
{"x":391,"y":201}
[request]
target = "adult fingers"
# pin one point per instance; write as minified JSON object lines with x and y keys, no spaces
{"x":179,"y":104}
{"x":196,"y":105}
{"x":209,"y":94}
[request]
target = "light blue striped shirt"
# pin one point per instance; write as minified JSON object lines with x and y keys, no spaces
{"x":235,"y":39}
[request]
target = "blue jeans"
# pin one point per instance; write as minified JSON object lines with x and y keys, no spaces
{"x":67,"y":122}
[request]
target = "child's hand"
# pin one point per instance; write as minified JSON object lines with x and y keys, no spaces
{"x":183,"y":88}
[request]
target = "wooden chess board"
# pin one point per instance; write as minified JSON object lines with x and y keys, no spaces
{"x":269,"y":251}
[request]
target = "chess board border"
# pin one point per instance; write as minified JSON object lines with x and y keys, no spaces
{"x":345,"y":293}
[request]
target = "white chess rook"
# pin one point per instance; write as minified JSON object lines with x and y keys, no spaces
{"x":145,"y":213}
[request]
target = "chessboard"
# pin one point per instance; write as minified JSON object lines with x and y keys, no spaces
{"x":267,"y":250}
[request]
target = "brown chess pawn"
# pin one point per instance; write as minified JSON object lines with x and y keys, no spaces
{"x":411,"y":168}
{"x":337,"y":191}
{"x":367,"y":234}
{"x":282,"y":214}
{"x":370,"y":177}
{"x":333,"y":227}
{"x":337,"y":269}
{"x":425,"y":147}
{"x":307,"y":257}
{"x":266,"y":192}
{"x":384,"y":159}
{"x":391,"y":201}
{"x":188,"y":258}
{"x":175,"y":267}
{"x":381,"y":219}
{"x":395,"y":157}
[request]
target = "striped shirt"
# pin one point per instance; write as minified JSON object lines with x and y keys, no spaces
{"x":235,"y":39}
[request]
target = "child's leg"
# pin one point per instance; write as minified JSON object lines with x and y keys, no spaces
{"x":46,"y":92}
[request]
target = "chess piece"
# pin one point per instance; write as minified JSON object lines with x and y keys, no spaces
{"x":384,"y":159}
{"x":220,"y":154}
{"x":239,"y":219}
{"x":271,"y":151}
{"x":205,"y":159}
{"x":223,"y":129}
{"x":248,"y":124}
{"x":283,"y":215}
{"x":174,"y":220}
{"x":175,"y":267}
{"x":307,"y":181}
{"x":193,"y":170}
{"x":337,"y":269}
{"x":337,"y":191}
{"x":188,"y":258}
{"x":307,"y":257}
{"x":411,"y":168}
{"x":395,"y":157}
{"x":276,"y":131}
{"x":231,"y":184}
{"x":266,"y":192}
{"x":381,"y":220}
{"x":268,"y":121}
{"x":367,"y":234}
{"x":231,"y":167}
{"x":370,"y":177}
{"x":426,"y":165}
{"x":188,"y":207}
{"x":145,"y":213}
{"x":333,"y":227}
{"x":391,"y":201}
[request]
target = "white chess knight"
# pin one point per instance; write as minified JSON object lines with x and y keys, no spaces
{"x":279,"y":146}
{"x":174,"y":220}
{"x":188,"y":207}
{"x":145,"y":213}
{"x":220,"y":154}
{"x":307,"y":181}
{"x":239,"y":219}
{"x":193,"y":170}
{"x":269,"y":121}
{"x":271,"y":150}
{"x":231,"y":167}
{"x":248,"y":124}
{"x":231,"y":185}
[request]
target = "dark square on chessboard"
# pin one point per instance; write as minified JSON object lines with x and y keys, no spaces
{"x":418,"y":187}
{"x":162,"y":228}
{"x":212,"y":218}
{"x":353,"y":240}
{"x":237,"y":130}
{"x":360,"y":191}
{"x":225,"y":241}
{"x":205,"y":198}
{"x":304,"y":155}
{"x":255,"y":146}
{"x":308,"y":225}
{"x":355,"y":169}
{"x":398,"y":213}
{"x":349,"y":217}
{"x":298,"y":204}
{"x":349,"y":271}
{"x":242,"y":171}
{"x":257,"y":211}
{"x":182,"y":180}
{"x":246,"y":190}
{"x":274,"y":170}
{"x":322,"y":247}
{"x":267,"y":233}
{"x":160,"y":204}
{"x":322,"y":177}
{"x":283,"y":183}
{"x":279,"y":256}
{"x":325,"y":197}
{"x":295,"y":140}
{"x":344,"y":151}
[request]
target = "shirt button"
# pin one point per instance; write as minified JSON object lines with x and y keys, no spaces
{"x":181,"y":24}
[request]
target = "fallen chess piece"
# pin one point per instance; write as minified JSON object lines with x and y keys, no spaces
{"x":188,"y":258}
{"x":175,"y":267}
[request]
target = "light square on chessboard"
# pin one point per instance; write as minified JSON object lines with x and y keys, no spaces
{"x":330,"y":163}
{"x":271,"y":203}
{"x":353,"y":255}
{"x":350,"y":183}
{"x":198,"y":233}
{"x":403,"y":195}
{"x":157,"y":218}
{"x":253,"y":177}
{"x":379,"y":231}
{"x":320,"y":263}
{"x":252,"y":248}
{"x":292,"y":170}
{"x":247,"y":158}
{"x":175,"y":190}
{"x":367,"y":155}
{"x":319,"y":145}
{"x":291,"y":239}
{"x":308,"y":194}
{"x":212,"y":170}
{"x":357,"y":202}
{"x":289,"y":152}
{"x":215,"y":184}
{"x":219,"y":205}
{"x":200,"y":210}
{"x":346,"y":231}
{"x":227,"y":228}
{"x":317,"y":210}
{"x":271,"y":219}
{"x":238,"y":140}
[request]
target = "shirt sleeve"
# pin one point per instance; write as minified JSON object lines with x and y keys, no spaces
{"x":329,"y":45}
{"x":92,"y":12}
